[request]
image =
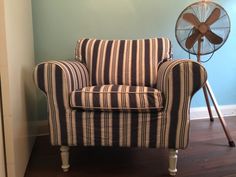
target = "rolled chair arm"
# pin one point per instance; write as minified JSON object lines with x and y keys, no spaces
{"x":179,"y":80}
{"x":57,"y":79}
{"x":69,"y":74}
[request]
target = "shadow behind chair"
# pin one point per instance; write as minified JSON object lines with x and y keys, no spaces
{"x":125,"y":93}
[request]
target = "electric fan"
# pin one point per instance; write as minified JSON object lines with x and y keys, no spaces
{"x":201,"y":29}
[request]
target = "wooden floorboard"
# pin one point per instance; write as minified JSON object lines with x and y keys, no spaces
{"x":208,"y":155}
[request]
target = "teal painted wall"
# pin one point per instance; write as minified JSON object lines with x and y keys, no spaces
{"x":59,"y":23}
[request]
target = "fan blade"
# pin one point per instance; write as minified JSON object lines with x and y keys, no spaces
{"x":213,"y":17}
{"x":191,"y":18}
{"x":192,"y":39}
{"x":213,"y":38}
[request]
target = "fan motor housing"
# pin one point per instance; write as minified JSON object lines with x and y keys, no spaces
{"x":203,"y":28}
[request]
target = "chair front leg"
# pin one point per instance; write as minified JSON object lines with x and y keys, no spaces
{"x":173,"y":155}
{"x":65,"y":158}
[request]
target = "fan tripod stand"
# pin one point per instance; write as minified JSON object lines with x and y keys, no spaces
{"x":208,"y":92}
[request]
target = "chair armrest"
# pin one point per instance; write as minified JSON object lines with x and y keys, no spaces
{"x":179,"y":80}
{"x":59,"y":78}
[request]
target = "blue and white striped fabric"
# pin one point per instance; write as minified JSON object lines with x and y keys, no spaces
{"x":168,"y":127}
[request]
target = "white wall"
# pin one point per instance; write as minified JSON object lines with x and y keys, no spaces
{"x":2,"y":159}
{"x":2,"y":71}
{"x":16,"y":66}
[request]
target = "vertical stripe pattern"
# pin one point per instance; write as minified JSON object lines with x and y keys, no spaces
{"x":57,"y":79}
{"x":120,"y":129}
{"x":178,"y":81}
{"x":118,"y":98}
{"x":123,"y":62}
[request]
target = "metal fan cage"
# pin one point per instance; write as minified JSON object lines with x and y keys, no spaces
{"x":202,"y":11}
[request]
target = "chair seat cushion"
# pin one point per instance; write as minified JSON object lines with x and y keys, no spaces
{"x":117,"y":98}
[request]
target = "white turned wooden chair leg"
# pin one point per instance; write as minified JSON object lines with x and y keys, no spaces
{"x":65,"y":158}
{"x":173,"y":162}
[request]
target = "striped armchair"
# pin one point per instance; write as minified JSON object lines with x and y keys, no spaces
{"x":120,"y":93}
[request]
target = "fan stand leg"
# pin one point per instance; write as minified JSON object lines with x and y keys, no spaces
{"x":219,"y":113}
{"x":208,"y":103}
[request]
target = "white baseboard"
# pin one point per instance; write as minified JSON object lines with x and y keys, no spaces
{"x":202,"y":112}
{"x":195,"y":113}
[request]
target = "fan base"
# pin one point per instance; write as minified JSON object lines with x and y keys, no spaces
{"x":231,"y":144}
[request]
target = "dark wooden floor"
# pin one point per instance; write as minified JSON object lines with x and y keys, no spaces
{"x":208,"y":155}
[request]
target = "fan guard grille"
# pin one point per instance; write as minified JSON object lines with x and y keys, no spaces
{"x":202,"y":10}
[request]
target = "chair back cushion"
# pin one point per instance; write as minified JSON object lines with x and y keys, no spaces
{"x":123,"y":62}
{"x":117,"y":98}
